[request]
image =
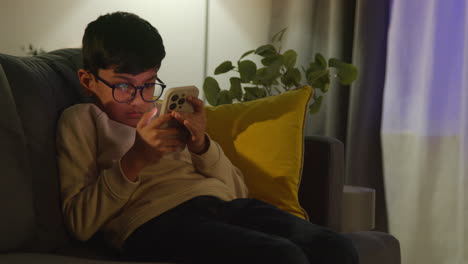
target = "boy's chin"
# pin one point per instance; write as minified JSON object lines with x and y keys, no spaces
{"x":133,"y":124}
{"x":130,"y":122}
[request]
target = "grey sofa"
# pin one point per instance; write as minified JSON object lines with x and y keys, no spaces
{"x":33,"y":93}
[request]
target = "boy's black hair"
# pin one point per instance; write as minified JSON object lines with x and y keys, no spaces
{"x":124,"y":41}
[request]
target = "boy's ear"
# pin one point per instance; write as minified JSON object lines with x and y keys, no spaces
{"x":87,"y":81}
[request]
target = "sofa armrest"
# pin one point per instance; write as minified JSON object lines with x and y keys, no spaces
{"x":321,"y":188}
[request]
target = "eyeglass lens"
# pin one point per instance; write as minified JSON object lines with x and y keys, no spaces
{"x":149,"y":93}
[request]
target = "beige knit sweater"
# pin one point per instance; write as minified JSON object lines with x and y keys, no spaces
{"x":97,"y":196}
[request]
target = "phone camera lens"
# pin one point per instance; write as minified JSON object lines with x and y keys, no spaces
{"x":173,"y":106}
{"x":175,"y":98}
{"x":181,"y":101}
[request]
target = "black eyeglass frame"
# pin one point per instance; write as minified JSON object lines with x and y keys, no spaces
{"x":113,"y":86}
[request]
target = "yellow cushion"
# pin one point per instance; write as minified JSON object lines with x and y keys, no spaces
{"x":265,"y":139}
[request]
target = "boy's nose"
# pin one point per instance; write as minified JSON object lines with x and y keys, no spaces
{"x":137,"y":99}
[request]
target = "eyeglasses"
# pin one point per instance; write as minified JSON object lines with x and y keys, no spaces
{"x":125,"y":92}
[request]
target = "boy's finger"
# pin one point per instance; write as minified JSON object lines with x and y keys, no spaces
{"x":180,"y":116}
{"x":146,"y":118}
{"x":157,"y":123}
{"x":196,"y":103}
{"x":190,"y":128}
{"x":169,"y":132}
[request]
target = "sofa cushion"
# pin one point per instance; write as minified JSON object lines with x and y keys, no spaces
{"x":16,"y":202}
{"x":40,"y":93}
{"x":265,"y":140}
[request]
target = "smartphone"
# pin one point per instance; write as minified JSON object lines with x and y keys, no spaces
{"x":175,"y":99}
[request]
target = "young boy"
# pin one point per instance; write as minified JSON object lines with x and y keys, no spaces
{"x":152,"y":192}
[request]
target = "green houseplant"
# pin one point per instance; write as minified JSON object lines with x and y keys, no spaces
{"x":278,"y":73}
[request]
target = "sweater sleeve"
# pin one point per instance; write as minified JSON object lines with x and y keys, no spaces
{"x":90,"y":195}
{"x":214,"y":163}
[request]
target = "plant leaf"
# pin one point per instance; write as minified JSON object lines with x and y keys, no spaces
{"x":224,"y":97}
{"x":247,"y":70}
{"x":267,"y":61}
{"x":247,"y":53}
{"x":320,"y":60}
{"x":253,"y":93}
{"x":211,"y":90}
{"x":315,"y":106}
{"x":248,"y":97}
{"x":326,"y":86}
{"x":279,"y":35}
{"x":290,"y":57}
{"x":236,"y":89}
{"x":267,"y":75}
{"x":318,"y":79}
{"x":223,"y":67}
{"x":266,"y":50}
{"x":261,"y":93}
{"x":273,"y":70}
{"x":319,"y":64}
{"x":260,"y":75}
{"x":291,"y":77}
{"x":347,"y":72}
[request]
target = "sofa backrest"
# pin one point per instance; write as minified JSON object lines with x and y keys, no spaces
{"x":33,"y":93}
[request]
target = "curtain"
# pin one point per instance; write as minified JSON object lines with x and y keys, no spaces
{"x":354,"y":31}
{"x":363,"y":148}
{"x":425,"y":129}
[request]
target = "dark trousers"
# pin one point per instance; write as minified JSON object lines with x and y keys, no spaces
{"x":206,"y":229}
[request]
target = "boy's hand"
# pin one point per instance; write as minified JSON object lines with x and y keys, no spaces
{"x":151,"y":143}
{"x":196,"y":124}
